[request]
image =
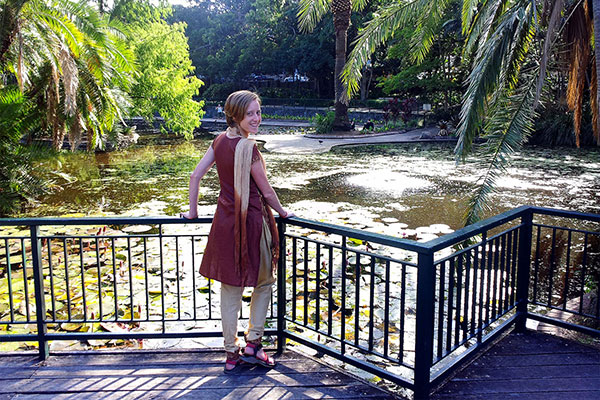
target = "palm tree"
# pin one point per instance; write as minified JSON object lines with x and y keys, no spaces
{"x":69,"y":60}
{"x":508,"y":69}
{"x":309,"y":14}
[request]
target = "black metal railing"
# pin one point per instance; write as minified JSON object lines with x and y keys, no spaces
{"x":407,"y":311}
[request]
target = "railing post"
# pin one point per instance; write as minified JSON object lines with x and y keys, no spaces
{"x":523,"y":267}
{"x":281,"y":287}
{"x":424,"y":325}
{"x":38,"y":281}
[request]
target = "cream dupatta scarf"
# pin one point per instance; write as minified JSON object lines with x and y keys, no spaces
{"x":241,"y":182}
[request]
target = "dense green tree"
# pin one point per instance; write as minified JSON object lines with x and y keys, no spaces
{"x":165,"y":84}
{"x":230,"y":42}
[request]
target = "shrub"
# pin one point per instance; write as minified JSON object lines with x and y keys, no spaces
{"x":324,"y":123}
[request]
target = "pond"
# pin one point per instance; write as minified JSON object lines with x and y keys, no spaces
{"x":405,"y":190}
{"x":380,"y":188}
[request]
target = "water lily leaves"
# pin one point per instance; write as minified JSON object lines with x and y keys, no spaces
{"x":71,"y":326}
{"x":137,"y":228}
{"x":355,"y":242}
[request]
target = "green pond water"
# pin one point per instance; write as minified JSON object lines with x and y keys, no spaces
{"x":368,"y":187}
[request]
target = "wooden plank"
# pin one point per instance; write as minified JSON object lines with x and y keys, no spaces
{"x":561,"y":395}
{"x":167,"y":370}
{"x":277,"y":393}
{"x":515,"y":385}
{"x":128,"y":383}
{"x":547,"y":371}
{"x":135,"y":358}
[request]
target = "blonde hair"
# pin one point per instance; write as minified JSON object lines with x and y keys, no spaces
{"x":236,"y":105}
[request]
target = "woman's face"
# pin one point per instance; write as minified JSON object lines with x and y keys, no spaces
{"x":252,"y":119}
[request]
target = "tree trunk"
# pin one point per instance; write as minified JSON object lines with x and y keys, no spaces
{"x":596,"y":13}
{"x":341,"y":10}
{"x":9,"y":24}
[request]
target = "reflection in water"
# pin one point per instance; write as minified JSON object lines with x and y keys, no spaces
{"x":364,"y":187}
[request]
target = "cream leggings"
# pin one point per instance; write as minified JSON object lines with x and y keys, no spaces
{"x":231,"y":299}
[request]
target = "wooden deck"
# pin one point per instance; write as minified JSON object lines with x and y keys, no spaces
{"x":528,"y":366}
{"x":172,"y":375}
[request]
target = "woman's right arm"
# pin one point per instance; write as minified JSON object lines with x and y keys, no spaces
{"x":201,"y":169}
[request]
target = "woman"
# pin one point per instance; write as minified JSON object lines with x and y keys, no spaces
{"x":242,"y":248}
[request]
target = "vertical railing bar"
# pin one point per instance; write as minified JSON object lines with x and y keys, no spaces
{"x":318,"y":288}
{"x":523,"y":273}
{"x":475,"y":289}
{"x":552,"y":266}
{"x":194,"y":300}
{"x":357,"y":300}
{"x":177,"y":277}
{"x":566,"y":285}
{"x":115,"y":277}
{"x":294,"y":278}
{"x":440,"y":318}
{"x":503,"y":276}
{"x":343,"y":314}
{"x":537,"y":262}
{"x":330,"y":300}
{"x":146,"y":277}
{"x":9,"y":278}
{"x":281,"y":286}
{"x":99,"y":276}
{"x":489,"y":261}
{"x":402,"y":314}
{"x":496,"y":280}
{"x":583,"y":271}
{"x":466,"y":317}
{"x":424,"y":325}
{"x":162,"y":278}
{"x":372,"y":303}
{"x":513,"y":278}
{"x":305,"y":284}
{"x":482,"y":286}
{"x":68,"y":286}
{"x":450,"y":304}
{"x":38,"y":283}
{"x":130,"y":267}
{"x":508,"y":262}
{"x":459,"y":291}
{"x":82,"y":279}
{"x":51,"y":272}
{"x":25,"y":283}
{"x":386,"y":314}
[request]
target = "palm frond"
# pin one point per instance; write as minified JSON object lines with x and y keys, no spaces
{"x":488,"y":71}
{"x":376,"y":32}
{"x":549,"y":41}
{"x":427,"y":28}
{"x":510,"y":124}
{"x":310,"y":13}
{"x":359,"y":5}
{"x":482,"y":24}
{"x":469,"y":10}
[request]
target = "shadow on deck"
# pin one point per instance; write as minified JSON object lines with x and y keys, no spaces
{"x":190,"y":374}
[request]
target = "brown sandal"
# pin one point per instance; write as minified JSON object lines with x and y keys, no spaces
{"x":267,"y":361}
{"x":233,"y":359}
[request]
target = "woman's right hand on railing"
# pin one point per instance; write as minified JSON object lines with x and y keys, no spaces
{"x":288,"y":214}
{"x":187,"y":215}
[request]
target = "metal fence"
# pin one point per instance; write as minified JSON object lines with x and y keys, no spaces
{"x":407,"y":311}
